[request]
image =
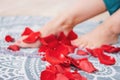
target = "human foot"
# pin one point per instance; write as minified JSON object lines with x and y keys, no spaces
{"x":106,"y":33}
{"x":96,"y":38}
{"x":52,"y":27}
{"x":37,"y":43}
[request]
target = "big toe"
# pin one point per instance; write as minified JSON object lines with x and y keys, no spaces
{"x":80,"y":42}
{"x":22,"y":44}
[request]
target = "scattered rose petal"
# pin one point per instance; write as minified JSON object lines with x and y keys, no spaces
{"x":33,"y":37}
{"x":105,"y":59}
{"x":66,"y":66}
{"x":77,"y":76}
{"x":90,"y":51}
{"x":61,"y":36}
{"x":48,"y":39}
{"x":43,"y":48}
{"x":8,"y":38}
{"x":57,"y":72}
{"x":56,"y":49}
{"x":72,"y":35}
{"x":14,"y":48}
{"x":94,"y":52}
{"x":61,"y":76}
{"x":114,"y":50}
{"x":69,"y":75}
{"x":84,"y":64}
{"x":63,"y":39}
{"x":66,"y":41}
{"x":110,"y":49}
{"x":27,"y":31}
{"x":71,"y":48}
{"x":53,"y":44}
{"x":54,"y":57}
{"x":61,"y":68}
{"x":48,"y":75}
{"x":81,"y":52}
{"x":62,"y":49}
{"x":97,"y":51}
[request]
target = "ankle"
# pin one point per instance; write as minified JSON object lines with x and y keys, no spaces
{"x":111,"y":28}
{"x":115,"y":29}
{"x":111,"y":33}
{"x":114,"y":23}
{"x":64,"y":20}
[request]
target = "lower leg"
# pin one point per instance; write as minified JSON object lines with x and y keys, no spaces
{"x":106,"y":33}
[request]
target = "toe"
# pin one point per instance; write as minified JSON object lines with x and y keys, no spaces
{"x":83,"y":44}
{"x":21,"y":44}
{"x":78,"y":41}
{"x":90,"y":45}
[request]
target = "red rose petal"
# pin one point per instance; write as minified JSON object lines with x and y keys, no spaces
{"x":27,"y":31}
{"x":66,"y":67}
{"x":54,"y":57}
{"x":61,"y":68}
{"x":47,"y":75}
{"x":61,"y":36}
{"x":77,"y":76}
{"x":14,"y":47}
{"x":63,"y":39}
{"x":61,"y":76}
{"x":105,"y":59}
{"x":66,"y":64}
{"x":106,"y":47}
{"x":97,"y":51}
{"x":62,"y":49}
{"x":72,"y":35}
{"x":108,"y":60}
{"x":43,"y":48}
{"x":74,"y":76}
{"x":84,"y":64}
{"x":69,"y":75}
{"x":52,"y":68}
{"x":48,"y":39}
{"x":33,"y":37}
{"x":58,"y":68}
{"x":67,"y":42}
{"x":59,"y":72}
{"x":81,"y":52}
{"x":114,"y":50}
{"x":8,"y":38}
{"x":94,"y":52}
{"x":71,"y":48}
{"x":89,"y":50}
{"x":110,"y":49}
{"x":53,"y":44}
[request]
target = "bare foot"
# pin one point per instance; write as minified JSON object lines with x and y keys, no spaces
{"x":53,"y":27}
{"x":106,"y":33}
{"x":101,"y":35}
